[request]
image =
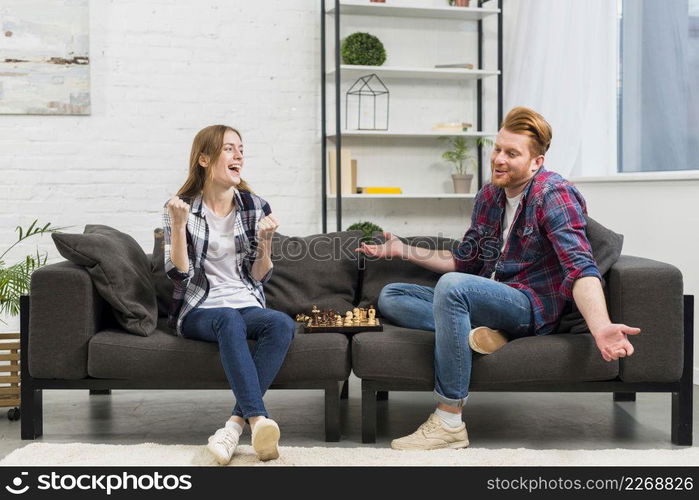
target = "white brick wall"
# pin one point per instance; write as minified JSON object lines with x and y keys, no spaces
{"x":160,"y":71}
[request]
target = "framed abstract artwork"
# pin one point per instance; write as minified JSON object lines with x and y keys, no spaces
{"x":44,"y":57}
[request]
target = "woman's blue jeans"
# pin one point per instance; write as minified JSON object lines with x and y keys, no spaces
{"x":458,"y":303}
{"x":250,"y":372}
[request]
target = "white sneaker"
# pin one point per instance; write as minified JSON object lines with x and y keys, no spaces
{"x":222,"y":444}
{"x":432,"y":435}
{"x":265,"y":439}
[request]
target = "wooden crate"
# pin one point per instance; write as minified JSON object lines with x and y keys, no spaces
{"x":9,"y":373}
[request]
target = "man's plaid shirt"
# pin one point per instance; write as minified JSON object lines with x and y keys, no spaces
{"x":191,"y":288}
{"x":547,"y":249}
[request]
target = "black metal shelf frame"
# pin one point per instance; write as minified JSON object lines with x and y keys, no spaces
{"x":338,"y":129}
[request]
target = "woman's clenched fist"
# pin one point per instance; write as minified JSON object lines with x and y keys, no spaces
{"x":178,"y":211}
{"x":266,"y":227}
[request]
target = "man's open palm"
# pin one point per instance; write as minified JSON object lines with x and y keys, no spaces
{"x":393,"y":247}
{"x":612,"y":341}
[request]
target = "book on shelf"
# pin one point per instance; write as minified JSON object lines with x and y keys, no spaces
{"x":452,"y":127}
{"x":348,"y":171}
{"x":456,"y":65}
{"x":379,"y":190}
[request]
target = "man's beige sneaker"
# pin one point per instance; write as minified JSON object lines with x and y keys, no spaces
{"x":485,"y":340}
{"x":433,"y":435}
{"x":222,"y":444}
{"x":265,"y":439}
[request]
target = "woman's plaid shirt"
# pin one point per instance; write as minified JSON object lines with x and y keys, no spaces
{"x":191,"y":288}
{"x":547,"y":249}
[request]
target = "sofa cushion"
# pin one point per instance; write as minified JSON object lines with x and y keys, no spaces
{"x":320,"y":269}
{"x":162,"y":284}
{"x":380,"y":272}
{"x":406,"y":355}
{"x":120,"y":271}
{"x":167,"y":357}
{"x":606,"y":249}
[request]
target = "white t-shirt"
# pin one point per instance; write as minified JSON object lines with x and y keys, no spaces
{"x":226,"y":289}
{"x":510,"y":210}
{"x":508,"y":220}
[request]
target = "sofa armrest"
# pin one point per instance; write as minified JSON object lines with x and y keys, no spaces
{"x":65,"y":311}
{"x":647,"y":294}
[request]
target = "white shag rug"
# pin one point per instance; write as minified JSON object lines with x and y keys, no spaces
{"x":149,"y":454}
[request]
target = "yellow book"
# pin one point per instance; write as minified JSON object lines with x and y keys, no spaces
{"x":382,"y":190}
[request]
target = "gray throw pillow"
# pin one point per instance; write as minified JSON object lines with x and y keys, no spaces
{"x":163,"y":285}
{"x":606,"y":249}
{"x":120,"y":271}
{"x":380,"y":272}
{"x":320,"y":269}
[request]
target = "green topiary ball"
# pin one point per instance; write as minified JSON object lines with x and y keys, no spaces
{"x":363,"y":49}
{"x":369,"y":228}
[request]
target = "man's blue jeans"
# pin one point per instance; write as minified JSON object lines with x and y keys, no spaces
{"x":249,"y":372}
{"x":458,"y":303}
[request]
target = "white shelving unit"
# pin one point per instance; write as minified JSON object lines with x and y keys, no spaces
{"x":367,"y":8}
{"x":408,"y":134}
{"x":412,"y":73}
{"x":387,"y":140}
{"x":465,"y":196}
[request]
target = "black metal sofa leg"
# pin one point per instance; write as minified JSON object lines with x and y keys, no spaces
{"x":332,"y":411}
{"x":624,"y":396}
{"x":682,"y":412}
{"x":31,"y":402}
{"x":32,"y":413}
{"x":682,"y":417}
{"x":368,"y":412}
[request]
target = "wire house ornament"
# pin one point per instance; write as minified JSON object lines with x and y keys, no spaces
{"x":369,"y":87}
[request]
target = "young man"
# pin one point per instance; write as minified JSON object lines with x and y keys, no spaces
{"x":523,"y":258}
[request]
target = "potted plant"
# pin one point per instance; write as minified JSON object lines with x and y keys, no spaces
{"x":459,"y":3}
{"x":369,"y":228}
{"x":14,"y":282}
{"x":462,"y":158}
{"x":363,"y":49}
{"x":15,"y":279}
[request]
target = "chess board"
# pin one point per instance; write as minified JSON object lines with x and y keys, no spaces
{"x":328,"y":320}
{"x":343,"y":329}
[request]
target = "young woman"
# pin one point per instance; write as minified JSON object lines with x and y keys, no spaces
{"x":217,"y":252}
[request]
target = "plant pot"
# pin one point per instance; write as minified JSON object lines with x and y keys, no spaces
{"x":461,"y":3}
{"x":462,"y":182}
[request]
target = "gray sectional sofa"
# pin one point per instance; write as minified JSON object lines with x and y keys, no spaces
{"x":70,"y":338}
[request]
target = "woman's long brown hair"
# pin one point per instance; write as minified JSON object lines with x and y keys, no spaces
{"x":208,"y":142}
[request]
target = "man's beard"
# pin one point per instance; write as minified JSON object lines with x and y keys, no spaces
{"x":510,"y":179}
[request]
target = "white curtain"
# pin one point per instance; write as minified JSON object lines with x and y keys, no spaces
{"x":561,"y":59}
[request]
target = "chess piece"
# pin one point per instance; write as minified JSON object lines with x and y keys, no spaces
{"x":355,"y":316}
{"x":372,"y":316}
{"x":348,"y":319}
{"x":338,"y":320}
{"x":362,"y":315}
